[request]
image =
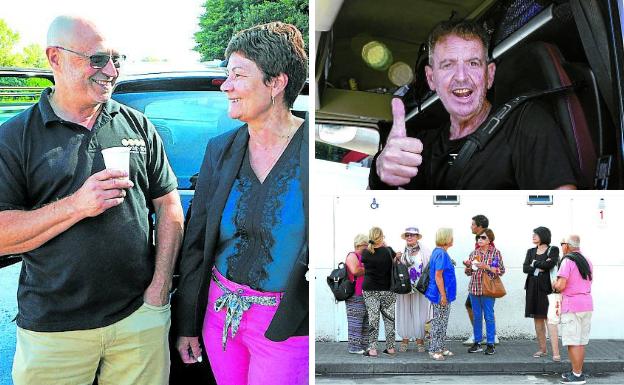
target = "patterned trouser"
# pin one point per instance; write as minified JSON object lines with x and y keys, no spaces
{"x":439,"y":323}
{"x":357,"y":318}
{"x":380,"y":302}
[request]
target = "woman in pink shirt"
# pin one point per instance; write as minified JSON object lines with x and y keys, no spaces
{"x":357,"y":317}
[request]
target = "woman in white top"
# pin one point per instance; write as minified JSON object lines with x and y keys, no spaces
{"x":413,"y":309}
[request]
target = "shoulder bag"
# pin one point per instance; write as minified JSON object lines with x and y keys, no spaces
{"x":492,"y":287}
{"x":423,"y":281}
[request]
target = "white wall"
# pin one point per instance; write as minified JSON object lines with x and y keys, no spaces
{"x":336,"y":219}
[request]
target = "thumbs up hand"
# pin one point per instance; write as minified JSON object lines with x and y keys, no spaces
{"x":400,"y":158}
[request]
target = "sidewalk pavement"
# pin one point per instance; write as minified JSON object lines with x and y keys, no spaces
{"x":512,"y":357}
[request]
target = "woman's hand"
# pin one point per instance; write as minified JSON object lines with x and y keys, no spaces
{"x":189,"y":349}
{"x":443,"y":301}
{"x":483,"y":266}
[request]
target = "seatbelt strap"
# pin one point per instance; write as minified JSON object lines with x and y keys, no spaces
{"x":480,"y":138}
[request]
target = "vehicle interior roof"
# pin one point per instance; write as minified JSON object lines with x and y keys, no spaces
{"x":401,"y":20}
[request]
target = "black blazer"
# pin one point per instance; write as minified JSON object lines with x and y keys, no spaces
{"x":546,"y":264}
{"x":223,"y":158}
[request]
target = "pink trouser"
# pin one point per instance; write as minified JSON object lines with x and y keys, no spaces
{"x":251,"y":358}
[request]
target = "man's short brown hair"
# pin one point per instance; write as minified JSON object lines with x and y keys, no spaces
{"x":465,"y":29}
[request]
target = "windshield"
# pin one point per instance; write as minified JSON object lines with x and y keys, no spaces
{"x":185,"y":120}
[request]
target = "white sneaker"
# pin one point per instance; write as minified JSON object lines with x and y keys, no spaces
{"x":469,"y":341}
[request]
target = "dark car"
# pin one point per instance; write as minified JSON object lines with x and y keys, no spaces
{"x":187,"y":109}
{"x":366,"y":49}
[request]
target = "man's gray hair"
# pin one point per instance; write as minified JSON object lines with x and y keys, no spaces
{"x":574,"y":241}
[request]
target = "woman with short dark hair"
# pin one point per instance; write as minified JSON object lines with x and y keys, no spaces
{"x":537,"y":264}
{"x":245,"y":256}
{"x":485,"y":262}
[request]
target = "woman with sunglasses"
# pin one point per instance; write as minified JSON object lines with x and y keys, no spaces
{"x":357,"y":317}
{"x":412,"y":309}
{"x":537,"y":265}
{"x":244,"y":259}
{"x":486,"y":259}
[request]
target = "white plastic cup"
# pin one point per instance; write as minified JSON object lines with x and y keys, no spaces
{"x":117,"y":158}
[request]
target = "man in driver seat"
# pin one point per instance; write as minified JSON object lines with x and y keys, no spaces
{"x":527,"y":152}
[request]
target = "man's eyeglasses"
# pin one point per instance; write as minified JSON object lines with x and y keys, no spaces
{"x":484,"y":237}
{"x":98,"y":60}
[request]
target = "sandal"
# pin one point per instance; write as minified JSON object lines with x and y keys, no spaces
{"x":556,"y":358}
{"x":448,"y":353}
{"x":539,"y":354}
{"x":437,"y":356}
{"x":386,"y":352}
{"x":367,"y":354}
{"x":403,"y":347}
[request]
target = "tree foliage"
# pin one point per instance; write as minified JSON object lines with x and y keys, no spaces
{"x":8,"y":39}
{"x":224,"y":17}
{"x":32,"y":56}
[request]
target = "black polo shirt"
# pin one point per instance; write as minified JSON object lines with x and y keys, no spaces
{"x":94,"y":273}
{"x":528,"y":152}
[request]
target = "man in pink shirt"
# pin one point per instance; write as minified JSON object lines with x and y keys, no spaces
{"x":574,"y":281}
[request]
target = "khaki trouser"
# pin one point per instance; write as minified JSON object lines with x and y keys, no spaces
{"x":132,"y":351}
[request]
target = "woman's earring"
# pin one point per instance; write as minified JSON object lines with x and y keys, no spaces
{"x":272,"y":100}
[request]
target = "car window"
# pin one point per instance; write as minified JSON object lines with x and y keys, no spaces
{"x":17,"y":94}
{"x":185,"y":120}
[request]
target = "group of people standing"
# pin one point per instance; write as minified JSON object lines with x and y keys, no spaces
{"x":549,"y":300}
{"x":370,"y":265}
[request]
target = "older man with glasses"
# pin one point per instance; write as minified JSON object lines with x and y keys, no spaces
{"x":93,"y":293}
{"x":574,"y":281}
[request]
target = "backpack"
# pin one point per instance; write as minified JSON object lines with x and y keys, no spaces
{"x":339,"y":283}
{"x":400,"y":279}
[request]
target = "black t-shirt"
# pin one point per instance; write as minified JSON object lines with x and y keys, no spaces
{"x":527,"y":152}
{"x":94,"y":273}
{"x":377,"y":268}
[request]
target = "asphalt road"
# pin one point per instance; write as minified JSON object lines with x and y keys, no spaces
{"x":8,"y":310}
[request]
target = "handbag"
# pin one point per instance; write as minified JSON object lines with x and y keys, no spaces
{"x":492,"y":287}
{"x":340,"y":284}
{"x":400,"y":280}
{"x":423,"y":281}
